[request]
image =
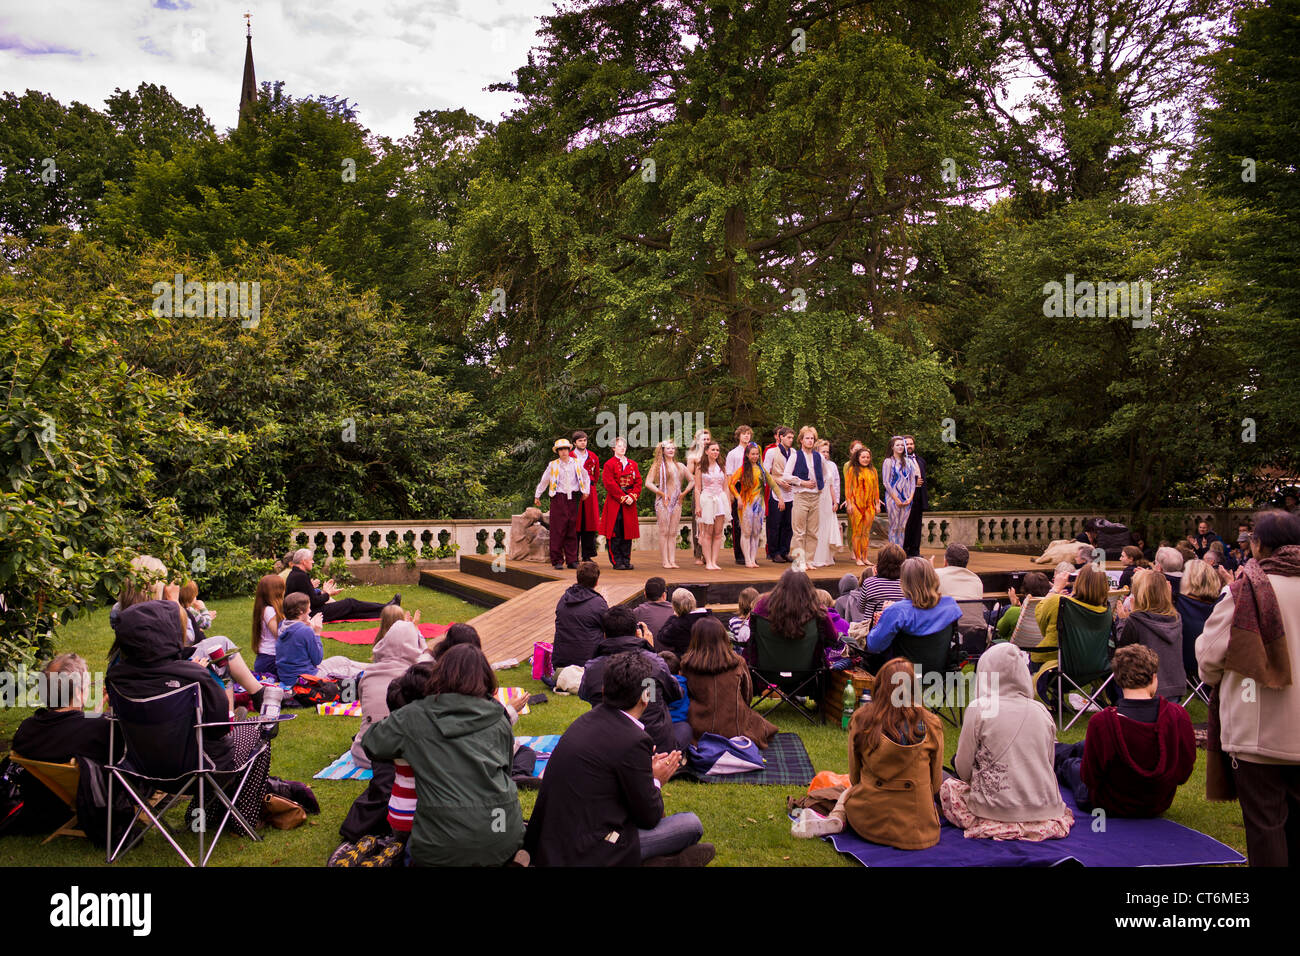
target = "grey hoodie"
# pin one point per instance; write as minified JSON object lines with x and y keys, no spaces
{"x":1007,"y":744}
{"x":845,"y":606}
{"x":1163,"y":633}
{"x":391,"y":658}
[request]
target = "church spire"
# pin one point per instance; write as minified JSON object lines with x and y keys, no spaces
{"x":248,"y":93}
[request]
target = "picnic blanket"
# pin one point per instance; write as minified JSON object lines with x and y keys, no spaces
{"x":367,"y":635}
{"x":339,"y":709}
{"x":345,"y":767}
{"x":1156,"y":842}
{"x":543,"y":745}
{"x":785,"y":761}
{"x":515,"y":697}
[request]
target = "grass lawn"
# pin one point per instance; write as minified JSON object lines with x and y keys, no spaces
{"x":746,"y":823}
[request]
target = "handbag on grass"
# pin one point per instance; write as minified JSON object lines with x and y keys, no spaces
{"x":715,"y":753}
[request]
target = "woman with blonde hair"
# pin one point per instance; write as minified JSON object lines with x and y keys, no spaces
{"x":922,"y":611}
{"x":693,"y":455}
{"x":664,"y":481}
{"x":862,"y":497}
{"x":1154,"y":623}
{"x":712,"y":506}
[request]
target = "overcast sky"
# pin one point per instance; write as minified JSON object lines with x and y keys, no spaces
{"x":392,"y":58}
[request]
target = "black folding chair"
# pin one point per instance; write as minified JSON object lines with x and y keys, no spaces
{"x":785,"y":669}
{"x":1083,"y":636}
{"x":164,"y":752}
{"x":937,"y":653}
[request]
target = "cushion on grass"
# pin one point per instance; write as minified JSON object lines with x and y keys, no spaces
{"x":786,"y":763}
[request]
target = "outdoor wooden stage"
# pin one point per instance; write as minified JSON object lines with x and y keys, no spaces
{"x":521,"y":595}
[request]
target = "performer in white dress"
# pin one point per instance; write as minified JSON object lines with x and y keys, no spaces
{"x":829,"y":536}
{"x":712,"y":506}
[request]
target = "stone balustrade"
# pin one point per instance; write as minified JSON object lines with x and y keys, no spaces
{"x":1010,"y":529}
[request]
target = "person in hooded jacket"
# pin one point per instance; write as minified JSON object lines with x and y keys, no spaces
{"x":579,"y":617}
{"x":623,"y":633}
{"x":1136,"y":754}
{"x":1006,"y":788}
{"x":148,"y":659}
{"x":846,"y":605}
{"x":393,"y":654}
{"x":458,"y":743}
{"x":1154,"y":623}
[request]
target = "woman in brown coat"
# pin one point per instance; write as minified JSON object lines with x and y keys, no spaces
{"x":718,"y":684}
{"x":895,"y":766}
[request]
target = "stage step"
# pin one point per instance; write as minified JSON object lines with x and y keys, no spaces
{"x":485,"y":592}
{"x":519,"y":574}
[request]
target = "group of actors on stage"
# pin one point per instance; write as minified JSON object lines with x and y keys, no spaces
{"x":791,"y":489}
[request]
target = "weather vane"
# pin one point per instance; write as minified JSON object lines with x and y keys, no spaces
{"x":248,"y":22}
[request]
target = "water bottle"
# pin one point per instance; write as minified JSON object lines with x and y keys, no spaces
{"x":271,"y":697}
{"x":850,"y":701}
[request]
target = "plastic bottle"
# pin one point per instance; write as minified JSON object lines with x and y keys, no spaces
{"x":850,"y":702}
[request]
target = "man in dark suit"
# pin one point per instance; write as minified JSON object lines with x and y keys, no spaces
{"x":920,"y":501}
{"x":599,"y":804}
{"x":322,"y":598}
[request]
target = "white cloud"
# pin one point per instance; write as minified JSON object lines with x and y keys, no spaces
{"x":392,"y":58}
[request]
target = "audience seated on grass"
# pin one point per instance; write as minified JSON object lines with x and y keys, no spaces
{"x":268,"y":615}
{"x":1170,"y":561}
{"x":1248,"y":652}
{"x":739,"y":623}
{"x":394,"y":653}
{"x":846,"y":605}
{"x":880,"y":582}
{"x":387,"y":805}
{"x":1136,"y":754}
{"x":675,"y":634}
{"x":922,"y":610}
{"x":1005,"y":788}
{"x":792,"y":611}
{"x":1091,"y":589}
{"x":1036,"y":586}
{"x":824,"y":601}
{"x":322,"y":596}
{"x":456,"y":635}
{"x":621,"y":627}
{"x":1200,"y":592}
{"x":148,"y":659}
{"x":298,"y":650}
{"x":578,"y":617}
{"x":200,"y":617}
{"x":721,"y":687}
{"x":1154,"y":623}
{"x":654,"y":610}
{"x":599,"y":803}
{"x":895,"y":768}
{"x":61,"y":729}
{"x":680,"y":709}
{"x":459,"y":745}
{"x":955,"y":579}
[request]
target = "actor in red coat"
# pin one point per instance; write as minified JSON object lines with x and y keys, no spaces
{"x":589,"y":513}
{"x":622,"y":480}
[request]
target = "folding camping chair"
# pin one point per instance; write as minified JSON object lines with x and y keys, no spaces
{"x":974,"y":629}
{"x":785,"y":669}
{"x":1083,"y":658}
{"x":60,"y":779}
{"x":931,"y":654}
{"x":1026,"y":634}
{"x":164,"y":752}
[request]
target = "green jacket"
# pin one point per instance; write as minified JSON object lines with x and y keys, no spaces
{"x":460,"y":749}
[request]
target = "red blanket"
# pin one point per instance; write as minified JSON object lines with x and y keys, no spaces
{"x":431,"y":632}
